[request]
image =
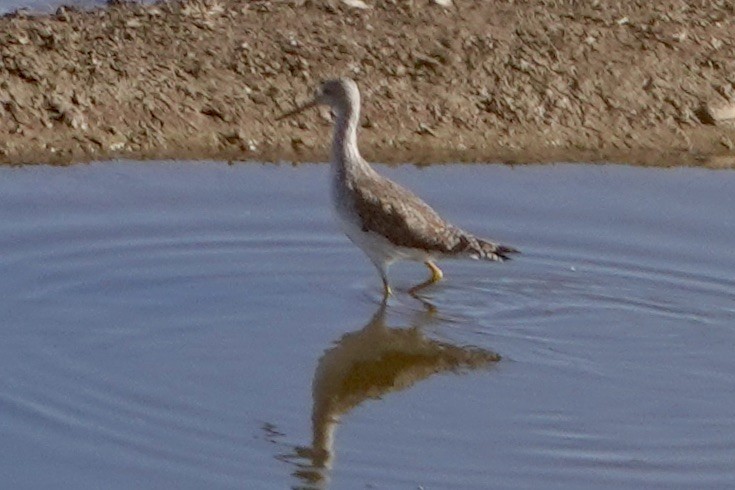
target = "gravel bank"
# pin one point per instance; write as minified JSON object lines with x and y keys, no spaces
{"x":521,"y":81}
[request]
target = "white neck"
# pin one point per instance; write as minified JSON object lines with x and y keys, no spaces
{"x":345,"y":154}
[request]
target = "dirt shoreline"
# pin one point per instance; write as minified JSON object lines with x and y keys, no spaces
{"x":650,"y":83}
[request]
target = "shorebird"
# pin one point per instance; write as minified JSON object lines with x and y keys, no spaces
{"x":387,"y":221}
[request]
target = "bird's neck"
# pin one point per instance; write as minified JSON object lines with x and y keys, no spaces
{"x":345,"y":155}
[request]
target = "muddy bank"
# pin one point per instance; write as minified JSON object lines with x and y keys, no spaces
{"x":535,"y":80}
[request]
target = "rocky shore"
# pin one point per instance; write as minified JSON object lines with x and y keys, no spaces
{"x":632,"y":81}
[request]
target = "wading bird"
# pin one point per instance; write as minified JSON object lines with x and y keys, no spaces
{"x":387,"y":221}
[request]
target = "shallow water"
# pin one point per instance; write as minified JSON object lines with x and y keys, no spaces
{"x":183,"y":325}
{"x":45,"y":6}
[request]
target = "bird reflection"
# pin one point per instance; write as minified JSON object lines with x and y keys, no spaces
{"x":369,"y":364}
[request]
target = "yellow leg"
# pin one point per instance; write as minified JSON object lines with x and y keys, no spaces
{"x":436,"y":273}
{"x":387,"y":291}
{"x":436,"y":276}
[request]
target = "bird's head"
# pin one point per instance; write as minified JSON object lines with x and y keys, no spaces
{"x":340,"y":94}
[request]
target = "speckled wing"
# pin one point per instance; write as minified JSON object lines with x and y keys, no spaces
{"x":399,"y":215}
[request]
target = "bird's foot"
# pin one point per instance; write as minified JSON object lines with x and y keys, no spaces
{"x":417,"y":288}
{"x":436,"y":276}
{"x":436,"y":272}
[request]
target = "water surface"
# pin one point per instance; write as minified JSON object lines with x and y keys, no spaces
{"x":45,"y":6}
{"x":182,"y":325}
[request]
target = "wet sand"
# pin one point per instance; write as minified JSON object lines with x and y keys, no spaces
{"x":635,"y":81}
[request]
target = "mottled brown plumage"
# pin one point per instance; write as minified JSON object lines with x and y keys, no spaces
{"x":405,"y":220}
{"x":387,"y":221}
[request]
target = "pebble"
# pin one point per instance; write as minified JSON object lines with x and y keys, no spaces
{"x":358,"y":4}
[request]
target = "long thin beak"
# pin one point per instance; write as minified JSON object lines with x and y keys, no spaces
{"x":300,"y":108}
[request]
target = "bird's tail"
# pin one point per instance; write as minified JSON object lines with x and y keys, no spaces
{"x":480,"y":249}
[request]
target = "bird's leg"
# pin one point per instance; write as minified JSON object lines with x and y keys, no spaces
{"x":387,"y":291}
{"x":382,"y":266}
{"x":436,"y":273}
{"x":436,"y":276}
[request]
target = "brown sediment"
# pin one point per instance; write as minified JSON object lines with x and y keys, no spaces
{"x":521,"y":81}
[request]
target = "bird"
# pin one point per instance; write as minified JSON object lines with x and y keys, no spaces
{"x":384,"y":219}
